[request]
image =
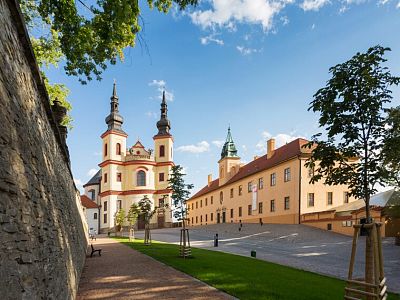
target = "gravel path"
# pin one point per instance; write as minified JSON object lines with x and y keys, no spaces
{"x":123,"y":273}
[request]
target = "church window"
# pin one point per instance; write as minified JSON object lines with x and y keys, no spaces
{"x":95,"y":216}
{"x":105,"y":218}
{"x":92,"y":194}
{"x":221,"y":197}
{"x":161,"y":177}
{"x":141,"y":178}
{"x":105,"y":177}
{"x":119,"y":177}
{"x":118,"y":149}
{"x":105,"y":150}
{"x":119,"y":204}
{"x":105,"y":206}
{"x":162,"y":151}
{"x":212,"y":200}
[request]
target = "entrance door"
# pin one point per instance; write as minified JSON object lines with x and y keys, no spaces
{"x":218,"y":217}
{"x":141,"y":222}
{"x":161,"y":221}
{"x":223,"y":217}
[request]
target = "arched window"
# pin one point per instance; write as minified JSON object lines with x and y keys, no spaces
{"x":118,"y":149}
{"x":141,"y":178}
{"x":221,"y":197}
{"x":105,"y":149}
{"x":162,"y":151}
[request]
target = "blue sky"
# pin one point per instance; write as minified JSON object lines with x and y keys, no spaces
{"x":253,"y":64}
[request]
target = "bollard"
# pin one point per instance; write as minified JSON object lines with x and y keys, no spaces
{"x":253,"y":253}
{"x":216,"y":240}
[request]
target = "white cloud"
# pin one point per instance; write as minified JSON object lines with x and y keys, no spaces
{"x":244,"y":147}
{"x":398,"y":5}
{"x":225,"y":13}
{"x":313,"y":4}
{"x":247,"y":51}
{"x":161,"y":87}
{"x":97,"y":153}
{"x":92,"y":172}
{"x":211,"y":39}
{"x":312,"y":26}
{"x":79,"y":184}
{"x":218,"y":143}
{"x":280,"y":140}
{"x":201,"y":147}
{"x":151,"y":114}
{"x":285,"y":20}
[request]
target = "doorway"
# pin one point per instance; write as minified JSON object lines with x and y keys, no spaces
{"x":218,"y":218}
{"x":223,"y":217}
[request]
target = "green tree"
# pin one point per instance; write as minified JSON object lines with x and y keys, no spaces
{"x":352,"y":111}
{"x":86,"y":38}
{"x":119,"y":219}
{"x":147,"y":212}
{"x":180,"y":195}
{"x":391,"y":148}
{"x":132,"y":217}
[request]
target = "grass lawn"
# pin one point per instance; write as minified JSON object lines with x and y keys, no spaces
{"x":245,"y":277}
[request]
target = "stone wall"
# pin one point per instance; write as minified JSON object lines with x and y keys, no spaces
{"x":42,"y":234}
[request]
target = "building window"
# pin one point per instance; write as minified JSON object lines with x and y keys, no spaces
{"x":272,"y":207}
{"x":162,"y":151}
{"x":192,"y":221}
{"x":249,"y":187}
{"x":273,"y":179}
{"x":231,"y":213}
{"x":206,"y":201}
{"x":161,"y":177}
{"x":211,"y":217}
{"x":141,"y":178}
{"x":310,"y":199}
{"x":161,"y":202}
{"x":212,"y":200}
{"x":197,"y":220}
{"x":105,"y":206}
{"x":260,"y":208}
{"x":240,"y":190}
{"x":201,"y":219}
{"x":119,"y":177}
{"x":240,"y":211}
{"x":260,"y":183}
{"x":249,"y":209}
{"x":197,"y":204}
{"x":118,"y":149}
{"x":310,"y":172}
{"x":221,"y":197}
{"x":105,"y":177}
{"x":119,"y":204}
{"x":330,"y":198}
{"x":201,"y":203}
{"x":95,"y":216}
{"x":206,"y":218}
{"x":105,"y":149}
{"x":345,"y":197}
{"x":286,"y":175}
{"x":329,"y":226}
{"x":192,"y":207}
{"x":231,"y":193}
{"x":287,"y":203}
{"x":92,"y":194}
{"x":105,"y":218}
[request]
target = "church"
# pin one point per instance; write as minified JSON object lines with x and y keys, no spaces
{"x":127,"y":174}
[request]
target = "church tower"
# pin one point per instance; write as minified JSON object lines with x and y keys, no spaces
{"x":230,"y":162}
{"x":163,"y":140}
{"x":113,"y":155}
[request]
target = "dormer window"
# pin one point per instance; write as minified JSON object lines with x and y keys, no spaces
{"x":162,"y":151}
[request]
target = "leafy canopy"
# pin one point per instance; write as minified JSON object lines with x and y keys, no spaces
{"x":145,"y":207}
{"x":180,"y":192}
{"x":352,"y":111}
{"x":133,"y":214}
{"x":120,"y":217}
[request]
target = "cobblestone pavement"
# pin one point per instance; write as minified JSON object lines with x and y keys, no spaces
{"x":123,"y":273}
{"x":298,"y":246}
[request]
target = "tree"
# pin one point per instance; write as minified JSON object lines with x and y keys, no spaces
{"x":87,"y":38}
{"x":147,"y":212}
{"x":180,"y":195}
{"x":132,"y":217}
{"x":391,"y":148}
{"x":352,"y":110}
{"x":119,"y":219}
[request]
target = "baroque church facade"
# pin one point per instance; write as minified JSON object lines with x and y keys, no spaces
{"x":127,"y":174}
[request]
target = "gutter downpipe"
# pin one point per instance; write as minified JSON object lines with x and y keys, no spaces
{"x":299,"y":189}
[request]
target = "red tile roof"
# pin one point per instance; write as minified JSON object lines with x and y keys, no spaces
{"x":86,"y":202}
{"x":284,"y":153}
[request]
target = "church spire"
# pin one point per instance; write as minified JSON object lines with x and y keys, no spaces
{"x":229,"y":148}
{"x":163,"y":124}
{"x":114,"y":120}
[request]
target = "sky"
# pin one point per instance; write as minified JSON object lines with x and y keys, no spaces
{"x":253,"y":65}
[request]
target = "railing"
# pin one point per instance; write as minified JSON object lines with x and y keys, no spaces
{"x":131,"y":157}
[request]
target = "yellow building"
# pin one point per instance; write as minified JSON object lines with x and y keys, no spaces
{"x":129,"y":173}
{"x":273,"y":188}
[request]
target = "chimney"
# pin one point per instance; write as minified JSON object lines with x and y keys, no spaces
{"x":270,"y":147}
{"x":209,"y":179}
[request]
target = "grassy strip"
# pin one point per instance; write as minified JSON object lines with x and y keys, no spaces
{"x":244,"y":277}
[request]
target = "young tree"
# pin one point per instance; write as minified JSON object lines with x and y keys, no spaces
{"x":119,"y":219}
{"x":132,"y":217}
{"x":147,"y":213}
{"x":180,"y":194}
{"x":352,"y":108}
